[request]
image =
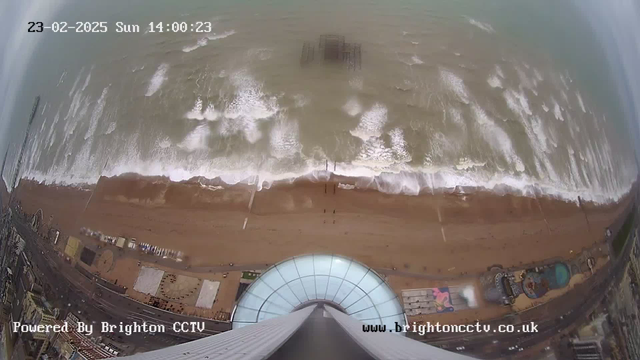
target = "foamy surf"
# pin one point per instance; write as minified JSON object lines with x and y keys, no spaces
{"x":75,"y":83}
{"x":557,"y":113}
{"x":202,"y":42}
{"x":62,"y":77}
{"x":301,"y":100}
{"x":494,"y":82}
{"x":87,"y":80}
{"x":415,"y":60}
{"x":371,"y":122}
{"x":196,"y":112}
{"x":433,"y":133}
{"x":356,"y":83}
{"x":210,"y":113}
{"x":250,"y":102}
{"x":205,"y":40}
{"x":352,"y":107}
{"x":455,"y":116}
{"x":158,"y":79}
{"x":496,"y":137}
{"x":111,"y":128}
{"x":374,"y":154}
{"x":584,"y":110}
{"x":196,"y":139}
{"x":467,"y":164}
{"x":96,"y":114}
{"x":283,"y":138}
{"x":399,"y":146}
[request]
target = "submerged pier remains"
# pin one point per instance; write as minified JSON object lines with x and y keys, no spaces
{"x":333,"y":48}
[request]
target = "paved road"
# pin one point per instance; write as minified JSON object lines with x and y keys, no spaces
{"x":98,"y":303}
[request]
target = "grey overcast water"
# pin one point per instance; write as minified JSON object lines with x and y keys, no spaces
{"x":507,"y":95}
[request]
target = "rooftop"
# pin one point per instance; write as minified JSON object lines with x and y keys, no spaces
{"x":338,"y":281}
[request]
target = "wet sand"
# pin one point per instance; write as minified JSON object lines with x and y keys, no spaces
{"x":442,"y":234}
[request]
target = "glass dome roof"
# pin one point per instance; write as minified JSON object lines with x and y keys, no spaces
{"x":349,"y":285}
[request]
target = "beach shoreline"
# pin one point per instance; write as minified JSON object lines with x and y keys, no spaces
{"x":432,"y":233}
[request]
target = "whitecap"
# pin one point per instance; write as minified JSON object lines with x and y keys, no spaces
{"x":96,"y":114}
{"x":210,"y":113}
{"x":580,"y":102}
{"x":111,"y":128}
{"x":494,"y":82}
{"x":301,"y":100}
{"x":249,"y":102}
{"x":164,"y":143}
{"x":356,"y":83}
{"x":537,"y":74}
{"x":496,"y":137}
{"x":413,"y":60}
{"x":75,"y":83}
{"x":556,"y":110}
{"x":466,"y":164}
{"x":202,"y":42}
{"x":352,"y":107}
{"x":225,"y":34}
{"x":196,"y":139}
{"x":484,"y":26}
{"x":454,"y":84}
{"x":375,"y":154}
{"x":249,"y":106}
{"x":371,"y":122}
{"x":261,"y":54}
{"x":158,"y":78}
{"x":456,"y":117}
{"x":517,"y":102}
{"x":196,"y":111}
{"x":87,"y":80}
{"x":248,"y":128}
{"x":399,"y":145}
{"x":284,"y":138}
{"x":62,"y":77}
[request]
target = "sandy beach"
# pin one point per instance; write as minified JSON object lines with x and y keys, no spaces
{"x":441,"y":234}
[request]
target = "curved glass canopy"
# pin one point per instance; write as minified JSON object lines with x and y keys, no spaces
{"x":349,"y":285}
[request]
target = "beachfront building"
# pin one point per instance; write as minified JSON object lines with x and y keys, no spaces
{"x":312,"y":306}
{"x":35,"y":312}
{"x":74,"y":345}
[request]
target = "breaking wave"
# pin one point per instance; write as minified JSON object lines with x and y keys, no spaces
{"x":158,"y":79}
